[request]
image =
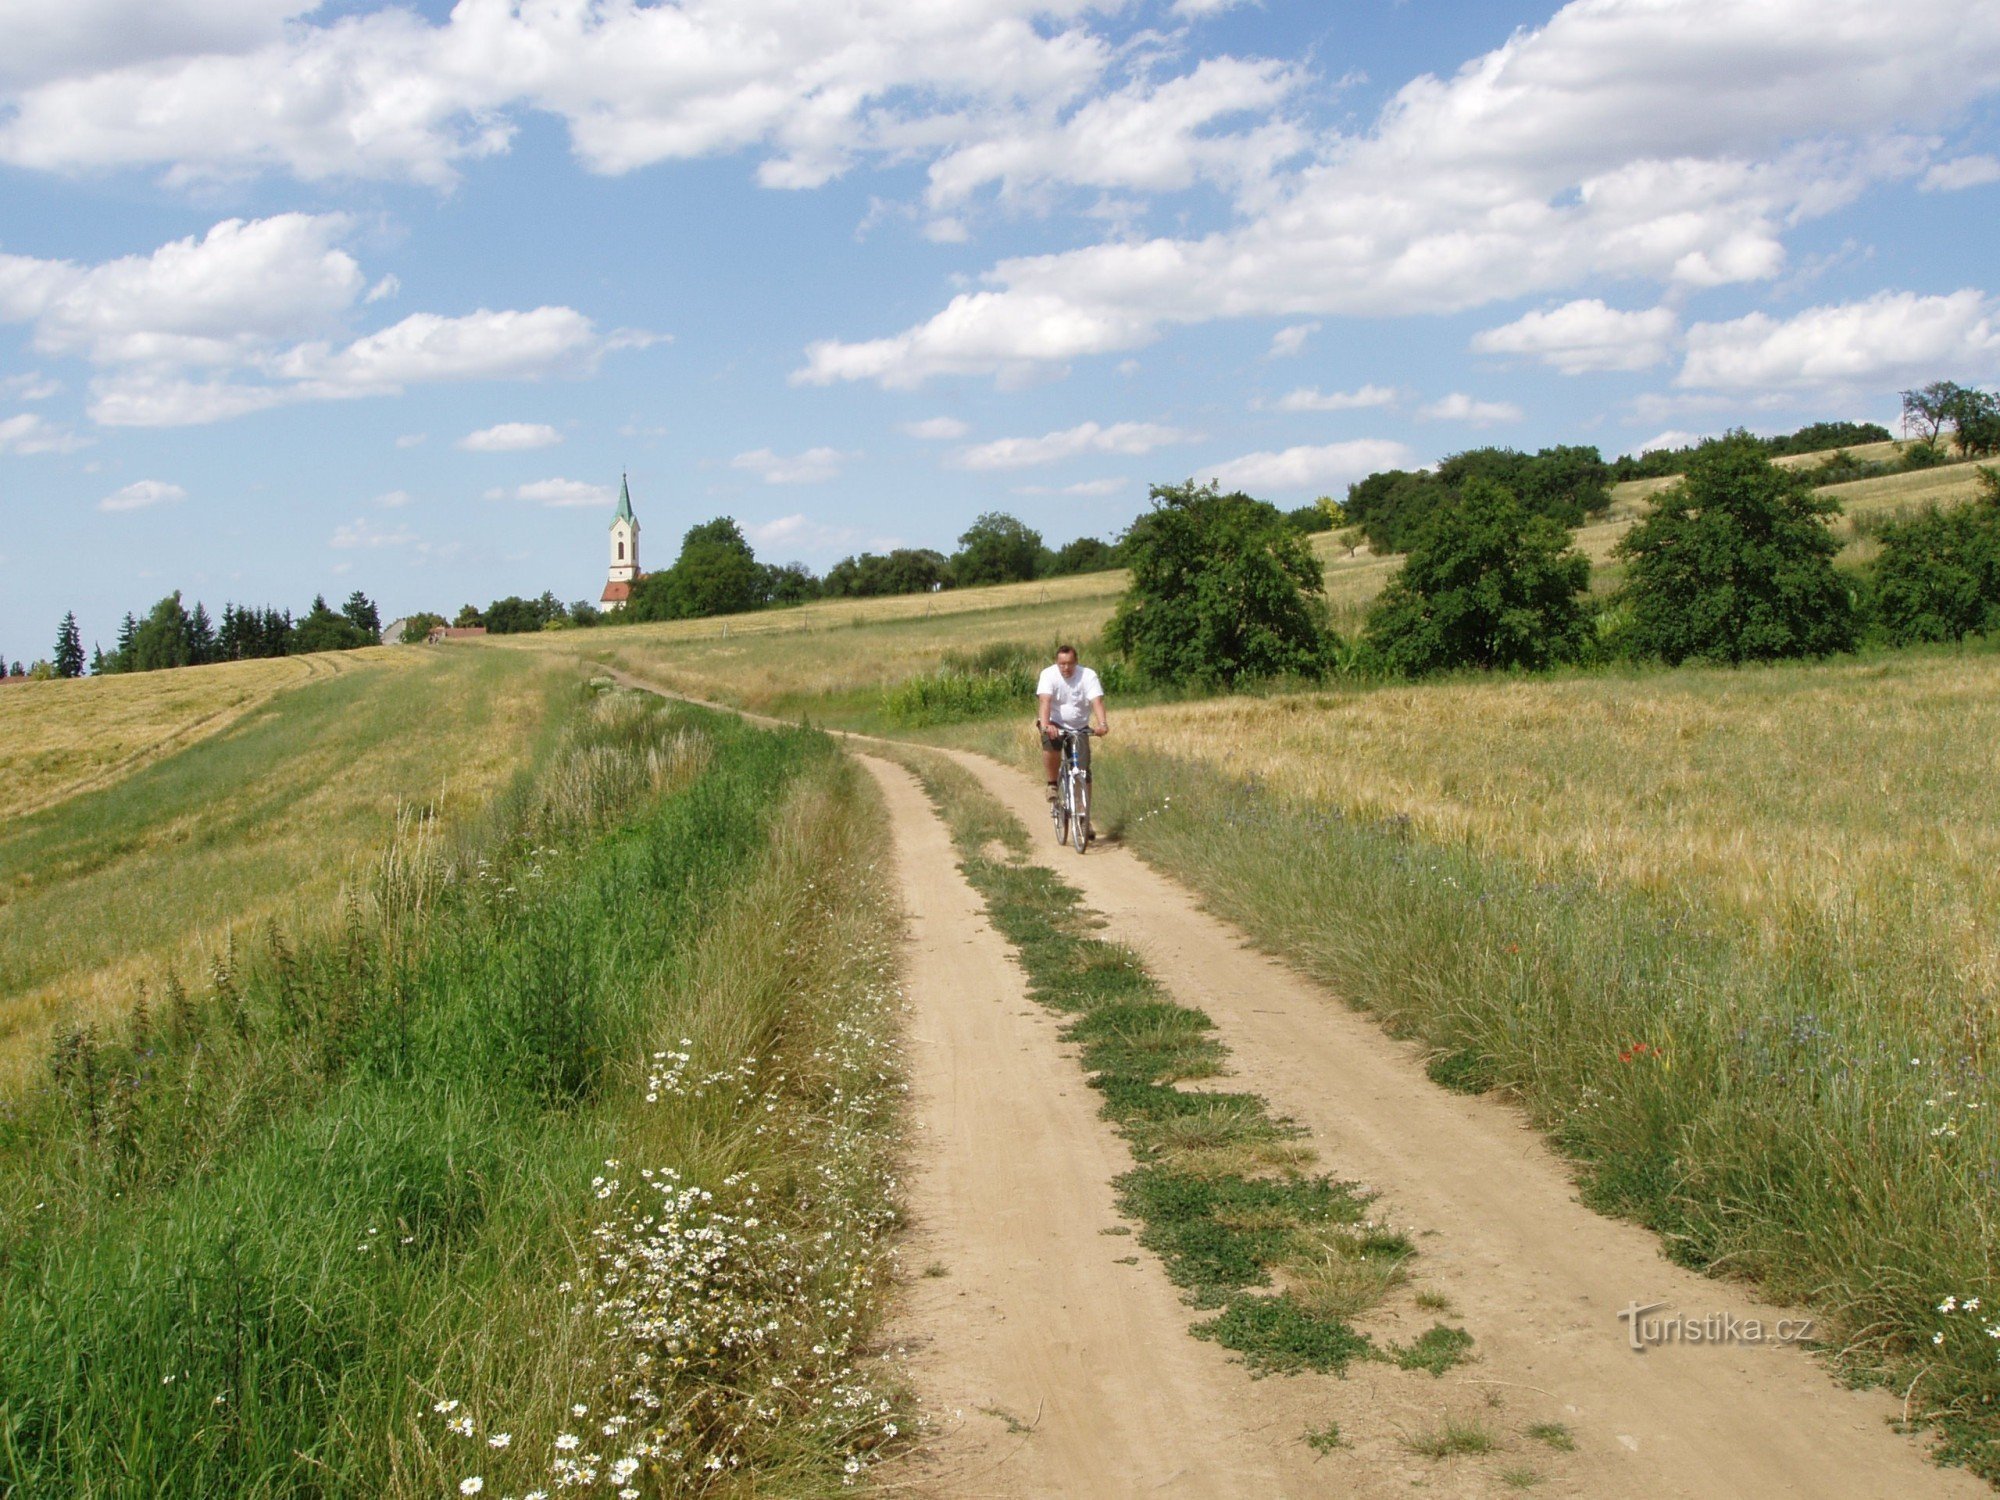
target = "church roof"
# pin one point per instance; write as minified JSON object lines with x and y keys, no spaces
{"x":624,"y":511}
{"x":617,"y":592}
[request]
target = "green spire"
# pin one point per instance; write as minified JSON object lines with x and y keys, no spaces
{"x":624,"y":512}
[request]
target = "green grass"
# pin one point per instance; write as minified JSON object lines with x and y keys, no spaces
{"x":1217,"y":1191}
{"x":251,"y":1240}
{"x":1451,"y":1437}
{"x":1554,"y":1435}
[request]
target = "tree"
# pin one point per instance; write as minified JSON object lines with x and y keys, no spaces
{"x":584,"y":614}
{"x":514,"y":616}
{"x":417,"y":628}
{"x":323,"y":630}
{"x":161,"y":639}
{"x":1735,"y":564}
{"x":996,"y":548}
{"x":716,"y":574}
{"x":790,"y":583}
{"x":200,"y":636}
{"x":69,"y":647}
{"x":1087,"y":554}
{"x":360,"y":611}
{"x":1928,"y":408}
{"x":1222,"y":589}
{"x":468,"y":618}
{"x":1938,"y":576}
{"x":1975,"y":422}
{"x":1486,"y":585}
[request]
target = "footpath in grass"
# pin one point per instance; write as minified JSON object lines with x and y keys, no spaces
{"x":564,"y":1165}
{"x":1285,"y":1259}
{"x":1801,"y":1109}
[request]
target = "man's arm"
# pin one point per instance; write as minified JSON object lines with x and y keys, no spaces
{"x":1042,"y":715}
{"x":1097,"y":713}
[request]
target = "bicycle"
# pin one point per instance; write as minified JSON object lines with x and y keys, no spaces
{"x":1071,"y":809}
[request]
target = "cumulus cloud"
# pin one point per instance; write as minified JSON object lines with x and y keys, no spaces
{"x":1308,"y":470}
{"x":1309,"y":398}
{"x":561,"y":494}
{"x":142,"y":493}
{"x":1965,"y":172}
{"x":1667,"y":141}
{"x":1669,"y":440}
{"x":1287,"y":342}
{"x":1130,"y":438}
{"x":809,"y":467}
{"x":936,"y":429}
{"x":1584,"y":336}
{"x":1088,"y":489}
{"x":393,"y":499}
{"x":364,"y":533}
{"x":1880,"y":342}
{"x":797,"y":533}
{"x":1459,"y":407}
{"x":511,"y":437}
{"x":32,"y":433}
{"x":412,"y":439}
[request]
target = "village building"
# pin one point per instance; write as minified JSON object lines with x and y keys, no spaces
{"x":624,"y":551}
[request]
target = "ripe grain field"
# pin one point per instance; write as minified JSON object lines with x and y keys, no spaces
{"x":105,"y":891}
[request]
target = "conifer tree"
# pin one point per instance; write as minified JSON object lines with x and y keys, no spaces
{"x":69,"y":648}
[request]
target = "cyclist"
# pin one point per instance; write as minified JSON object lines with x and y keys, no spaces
{"x":1071,"y":698}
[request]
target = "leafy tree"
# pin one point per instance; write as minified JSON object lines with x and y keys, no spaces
{"x":1975,"y":421}
{"x":1222,"y":589}
{"x":1087,"y":554}
{"x":907,"y":570}
{"x":468,"y":618}
{"x":790,"y":583}
{"x":997,"y":548}
{"x":43,"y":671}
{"x":516,"y":616}
{"x":417,"y":628}
{"x":1929,"y":407}
{"x":321,"y":629}
{"x":1735,"y":564}
{"x":1817,"y":437}
{"x":1938,"y":576}
{"x":585,"y":614}
{"x":360,"y":611}
{"x":1486,"y":585}
{"x":69,"y":647}
{"x":716,"y":574}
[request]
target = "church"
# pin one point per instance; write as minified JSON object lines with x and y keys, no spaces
{"x":624,"y":551}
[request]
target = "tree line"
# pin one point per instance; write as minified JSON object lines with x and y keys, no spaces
{"x":173,"y":635}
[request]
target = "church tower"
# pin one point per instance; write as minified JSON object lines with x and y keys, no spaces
{"x":624,"y":550}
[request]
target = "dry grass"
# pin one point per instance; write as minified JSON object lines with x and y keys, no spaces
{"x":1857,"y":789}
{"x":67,"y":737}
{"x":104,"y":891}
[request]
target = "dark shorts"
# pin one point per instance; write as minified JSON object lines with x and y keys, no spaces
{"x":1054,"y":742}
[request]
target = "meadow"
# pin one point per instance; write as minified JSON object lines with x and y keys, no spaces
{"x":466,"y":1191}
{"x":106,"y":891}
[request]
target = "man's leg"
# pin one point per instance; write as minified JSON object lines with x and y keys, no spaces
{"x":1051,"y":766}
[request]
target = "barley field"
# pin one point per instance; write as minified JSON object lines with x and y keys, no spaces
{"x":270,"y":813}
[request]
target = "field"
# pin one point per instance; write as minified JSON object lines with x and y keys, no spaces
{"x":106,"y":891}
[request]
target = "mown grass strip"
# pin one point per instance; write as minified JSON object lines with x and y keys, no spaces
{"x":368,"y":1213}
{"x":1220,"y":1190}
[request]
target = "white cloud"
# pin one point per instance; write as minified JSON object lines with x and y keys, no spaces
{"x":561,"y":494}
{"x":1585,"y":335}
{"x":797,"y":534}
{"x":30,"y":385}
{"x":1965,"y":172}
{"x":1130,"y":438}
{"x":412,"y":440}
{"x":43,"y":39}
{"x":1672,"y":438}
{"x":1287,"y":342}
{"x":1666,"y":141}
{"x":393,"y":500}
{"x":937,"y":429}
{"x":1879,"y":343}
{"x":387,"y":287}
{"x":1087,"y":489}
{"x":511,"y":437}
{"x":1309,"y":398}
{"x":32,"y":433}
{"x":1308,"y":470}
{"x":141,"y":493}
{"x":1459,"y":407}
{"x":364,"y":533}
{"x":809,"y":467}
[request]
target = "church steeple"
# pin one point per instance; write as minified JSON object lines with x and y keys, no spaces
{"x":624,"y":550}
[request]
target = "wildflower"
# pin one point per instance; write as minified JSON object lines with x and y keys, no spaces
{"x":471,"y":1486}
{"x":461,"y":1425}
{"x":567,"y":1442}
{"x":500,"y":1440}
{"x":442,"y":1407}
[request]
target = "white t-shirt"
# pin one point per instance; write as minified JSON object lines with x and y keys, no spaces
{"x":1069,"y":697}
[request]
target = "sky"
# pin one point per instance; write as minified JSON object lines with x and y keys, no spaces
{"x":299,"y":298}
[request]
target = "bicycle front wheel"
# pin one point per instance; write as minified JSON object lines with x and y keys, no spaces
{"x":1079,"y":822}
{"x":1059,"y":811}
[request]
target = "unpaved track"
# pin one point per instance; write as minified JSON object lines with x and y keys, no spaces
{"x":1049,"y":1367}
{"x":1538,"y":1278}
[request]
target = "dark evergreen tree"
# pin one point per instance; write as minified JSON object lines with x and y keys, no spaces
{"x":200,"y":637}
{"x":161,"y":641}
{"x":69,"y":648}
{"x":360,"y":612}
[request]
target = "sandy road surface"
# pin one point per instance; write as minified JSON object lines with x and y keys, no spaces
{"x":1538,"y":1278}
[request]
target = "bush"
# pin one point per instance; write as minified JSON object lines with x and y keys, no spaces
{"x":1938,"y":578}
{"x":1222,"y":589}
{"x":1735,"y":564}
{"x":1486,"y":585}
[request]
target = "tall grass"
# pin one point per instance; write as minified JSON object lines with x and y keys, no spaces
{"x":1803,"y":1101}
{"x":289,"y":1234}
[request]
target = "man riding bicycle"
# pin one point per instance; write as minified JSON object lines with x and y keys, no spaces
{"x":1071,"y":698}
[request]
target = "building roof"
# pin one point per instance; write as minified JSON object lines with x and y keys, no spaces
{"x":624,"y":511}
{"x":615,"y":593}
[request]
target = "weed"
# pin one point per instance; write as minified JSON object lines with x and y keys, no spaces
{"x":1325,"y":1439}
{"x":1437,"y":1349}
{"x":1554,"y":1434}
{"x":1520,"y":1477}
{"x":937,"y":1269}
{"x":1451,"y":1437}
{"x":1434,"y":1301}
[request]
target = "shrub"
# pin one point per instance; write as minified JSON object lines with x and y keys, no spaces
{"x":1735,"y":564}
{"x":1222,"y":589}
{"x":1486,"y":585}
{"x":1938,"y":578}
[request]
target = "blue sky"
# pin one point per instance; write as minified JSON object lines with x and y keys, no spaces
{"x":300,"y":298}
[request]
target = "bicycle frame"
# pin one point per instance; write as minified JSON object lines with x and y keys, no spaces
{"x":1071,"y":811}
